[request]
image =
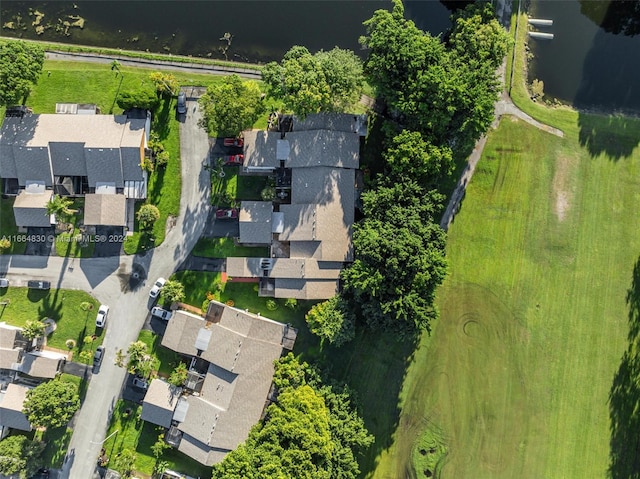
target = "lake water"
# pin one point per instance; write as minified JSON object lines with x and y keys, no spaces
{"x":593,"y":62}
{"x":260,"y":31}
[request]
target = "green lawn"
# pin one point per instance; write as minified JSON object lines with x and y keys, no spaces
{"x":168,"y":359}
{"x":138,"y":436}
{"x":517,"y":375}
{"x":60,"y":304}
{"x":224,"y":248}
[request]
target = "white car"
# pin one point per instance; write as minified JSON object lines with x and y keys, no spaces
{"x":4,"y":283}
{"x":101,"y":318}
{"x":157,"y":287}
{"x":163,"y":314}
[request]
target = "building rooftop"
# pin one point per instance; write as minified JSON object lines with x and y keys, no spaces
{"x":105,"y":209}
{"x":11,"y":403}
{"x":159,"y":403}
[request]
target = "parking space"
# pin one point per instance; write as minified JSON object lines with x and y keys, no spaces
{"x":39,"y":241}
{"x":133,"y":393}
{"x":109,"y":240}
{"x":227,"y":228}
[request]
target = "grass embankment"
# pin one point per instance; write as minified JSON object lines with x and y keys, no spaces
{"x":64,"y":306}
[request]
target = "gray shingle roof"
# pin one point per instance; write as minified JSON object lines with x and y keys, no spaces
{"x":11,"y":403}
{"x":323,"y":148}
{"x":103,"y":147}
{"x":30,"y":209}
{"x":159,"y":403}
{"x":260,"y":149}
{"x":241,"y":351}
{"x":8,"y":335}
{"x":103,"y":166}
{"x":105,"y":209}
{"x":32,"y":164}
{"x":67,"y":159}
{"x":255,"y":222}
{"x":305,"y":289}
{"x":40,"y":366}
{"x":9,"y":358}
{"x":328,"y":121}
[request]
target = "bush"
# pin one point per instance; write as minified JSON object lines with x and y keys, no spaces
{"x":147,"y":216}
{"x":291,"y":303}
{"x":143,"y":98}
{"x":272,"y":305}
{"x":4,"y":244}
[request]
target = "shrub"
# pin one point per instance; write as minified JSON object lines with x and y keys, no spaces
{"x":4,"y":244}
{"x":147,"y":216}
{"x":291,"y":303}
{"x":272,"y":305}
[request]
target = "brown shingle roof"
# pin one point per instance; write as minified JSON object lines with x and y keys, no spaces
{"x":11,"y":403}
{"x":159,"y":403}
{"x":105,"y":209}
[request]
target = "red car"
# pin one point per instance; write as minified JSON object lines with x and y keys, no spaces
{"x":231,"y":160}
{"x":226,"y":213}
{"x":237,"y":142}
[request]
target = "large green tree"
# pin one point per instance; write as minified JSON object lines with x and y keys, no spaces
{"x":311,"y":432}
{"x":409,"y":156}
{"x":20,"y":67}
{"x":332,"y":320}
{"x":19,"y":455}
{"x":51,"y":404}
{"x":400,"y":258}
{"x":231,"y":106}
{"x":327,"y":81}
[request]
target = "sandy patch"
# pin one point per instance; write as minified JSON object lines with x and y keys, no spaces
{"x":562,"y":185}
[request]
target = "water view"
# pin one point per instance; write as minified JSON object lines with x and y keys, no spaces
{"x":254,"y":31}
{"x":593,"y":61}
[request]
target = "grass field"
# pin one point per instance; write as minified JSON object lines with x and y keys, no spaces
{"x":517,"y":374}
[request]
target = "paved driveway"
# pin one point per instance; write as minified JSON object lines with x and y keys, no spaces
{"x":127,"y":294}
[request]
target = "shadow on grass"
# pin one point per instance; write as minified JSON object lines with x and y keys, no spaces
{"x":624,"y":397}
{"x":373,"y":365}
{"x":51,"y":306}
{"x":614,"y":136}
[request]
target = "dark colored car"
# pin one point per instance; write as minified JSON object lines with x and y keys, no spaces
{"x":97,"y":358}
{"x":226,"y":213}
{"x":34,"y":284}
{"x":232,"y":160}
{"x":237,"y":142}
{"x":182,"y":103}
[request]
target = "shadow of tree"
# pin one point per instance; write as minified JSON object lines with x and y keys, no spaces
{"x":615,"y":136}
{"x":624,"y":397}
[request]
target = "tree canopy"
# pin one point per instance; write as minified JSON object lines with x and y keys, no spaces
{"x":444,"y":91}
{"x":231,"y":106}
{"x":326,"y":81}
{"x":20,"y":67}
{"x":19,"y":455}
{"x":332,"y":320}
{"x":51,"y":404}
{"x":400,"y":258}
{"x":311,"y":431}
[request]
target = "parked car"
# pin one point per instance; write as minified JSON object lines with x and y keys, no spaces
{"x":97,"y":357}
{"x":232,"y":160}
{"x":226,"y":213}
{"x":182,"y":103}
{"x":237,"y":142}
{"x":101,"y":318}
{"x":35,"y":284}
{"x":157,"y":287}
{"x":4,"y":283}
{"x":163,"y":314}
{"x":141,"y":383}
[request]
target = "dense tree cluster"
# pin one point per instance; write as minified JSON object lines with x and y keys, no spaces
{"x":20,"y":67}
{"x":439,"y":98}
{"x":19,"y":455}
{"x":311,"y":83}
{"x":311,"y":431}
{"x":332,"y":320}
{"x":445,"y":91}
{"x":231,"y":106}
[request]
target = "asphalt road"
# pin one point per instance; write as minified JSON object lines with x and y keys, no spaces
{"x":111,"y":281}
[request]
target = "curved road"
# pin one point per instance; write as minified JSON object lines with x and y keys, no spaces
{"x":110,"y":280}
